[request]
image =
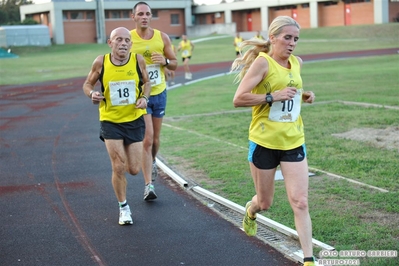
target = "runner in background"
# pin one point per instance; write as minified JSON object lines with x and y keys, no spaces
{"x":258,"y":36}
{"x":156,"y":48}
{"x":186,"y":47}
{"x":237,"y":42}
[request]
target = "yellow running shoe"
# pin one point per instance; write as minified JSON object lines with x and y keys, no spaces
{"x":249,"y":224}
{"x":309,"y":263}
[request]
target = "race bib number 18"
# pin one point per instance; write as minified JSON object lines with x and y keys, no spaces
{"x":122,"y":92}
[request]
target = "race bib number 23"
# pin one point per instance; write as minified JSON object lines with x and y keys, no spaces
{"x":154,"y":73}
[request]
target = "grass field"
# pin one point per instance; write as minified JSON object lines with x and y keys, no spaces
{"x":205,"y":138}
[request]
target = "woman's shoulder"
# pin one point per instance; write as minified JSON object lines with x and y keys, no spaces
{"x":295,"y":58}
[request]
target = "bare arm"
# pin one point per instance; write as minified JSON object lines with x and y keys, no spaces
{"x":91,"y":80}
{"x":192,"y":46}
{"x":243,"y":96}
{"x":167,"y":54}
{"x":142,"y":102}
{"x":256,"y":73}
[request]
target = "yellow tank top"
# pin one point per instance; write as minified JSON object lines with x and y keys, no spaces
{"x":146,"y":48}
{"x":121,"y":87}
{"x":238,"y":41}
{"x":280,"y":126}
{"x":186,"y":49}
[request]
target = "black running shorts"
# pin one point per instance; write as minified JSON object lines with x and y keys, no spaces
{"x":129,"y":132}
{"x":264,"y":158}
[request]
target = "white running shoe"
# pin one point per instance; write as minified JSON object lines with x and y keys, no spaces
{"x":149,"y":193}
{"x":125,"y":215}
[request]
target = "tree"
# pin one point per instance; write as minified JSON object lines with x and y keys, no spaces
{"x":9,"y":11}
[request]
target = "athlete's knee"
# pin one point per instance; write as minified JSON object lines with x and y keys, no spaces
{"x":299,"y":203}
{"x":148,"y":142}
{"x":264,"y":204}
{"x":118,"y":169}
{"x":134,"y":169}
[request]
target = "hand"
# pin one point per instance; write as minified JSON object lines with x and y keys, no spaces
{"x":158,"y":59}
{"x":285,"y":94}
{"x":308,"y":97}
{"x":96,"y":97}
{"x":141,"y":103}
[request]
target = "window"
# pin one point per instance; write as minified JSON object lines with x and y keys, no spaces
{"x":76,"y":15}
{"x":115,"y":14}
{"x":89,"y":15}
{"x":285,"y":7}
{"x":174,"y":19}
{"x":154,"y":13}
{"x":125,"y":14}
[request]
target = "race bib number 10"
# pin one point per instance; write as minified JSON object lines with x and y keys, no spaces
{"x":286,"y":111}
{"x":122,"y":92}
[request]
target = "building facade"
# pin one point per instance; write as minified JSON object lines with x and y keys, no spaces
{"x":86,"y":21}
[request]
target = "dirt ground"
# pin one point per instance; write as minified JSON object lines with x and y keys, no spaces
{"x":387,"y":138}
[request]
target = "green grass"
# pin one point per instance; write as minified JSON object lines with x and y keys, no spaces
{"x":205,"y":138}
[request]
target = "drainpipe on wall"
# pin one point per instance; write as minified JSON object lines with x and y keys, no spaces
{"x":100,"y":18}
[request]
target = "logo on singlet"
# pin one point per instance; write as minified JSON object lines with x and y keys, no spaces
{"x":292,"y":84}
{"x":267,"y":87}
{"x":147,"y":53}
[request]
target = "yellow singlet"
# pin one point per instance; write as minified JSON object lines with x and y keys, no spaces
{"x":279,"y":126}
{"x":146,"y":48}
{"x":238,"y":41}
{"x":121,"y":87}
{"x":186,"y":49}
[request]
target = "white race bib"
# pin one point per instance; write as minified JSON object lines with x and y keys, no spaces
{"x":185,"y":53}
{"x":122,"y":92}
{"x":286,"y":111}
{"x":154,"y":73}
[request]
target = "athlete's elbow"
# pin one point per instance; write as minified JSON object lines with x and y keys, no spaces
{"x":236,"y":102}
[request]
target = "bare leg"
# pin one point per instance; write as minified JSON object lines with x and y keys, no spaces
{"x":118,"y":159}
{"x":157,"y":125}
{"x":297,"y":184}
{"x":134,"y":152}
{"x":264,"y":186}
{"x":147,"y":149}
{"x":185,"y":64}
